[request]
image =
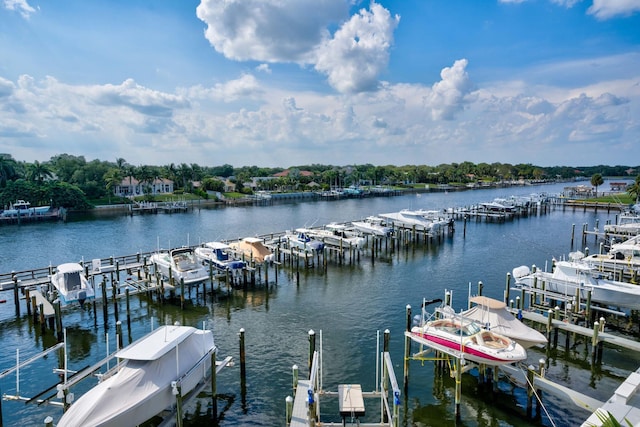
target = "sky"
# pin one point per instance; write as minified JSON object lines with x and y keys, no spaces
{"x":279,"y":83}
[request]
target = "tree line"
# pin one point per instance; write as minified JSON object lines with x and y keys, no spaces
{"x":73,"y":182}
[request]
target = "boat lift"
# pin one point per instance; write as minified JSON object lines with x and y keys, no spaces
{"x":303,"y":409}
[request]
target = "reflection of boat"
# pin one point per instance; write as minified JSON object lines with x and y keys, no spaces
{"x":180,"y":264}
{"x":465,"y":338}
{"x":72,"y":284}
{"x":493,"y":315}
{"x":217,"y":253}
{"x":146,"y":380}
{"x":576,"y":274}
{"x":252,"y":248}
{"x":373,"y":225}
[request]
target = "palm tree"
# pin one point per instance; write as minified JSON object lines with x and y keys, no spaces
{"x":596,"y":181}
{"x":7,"y":169}
{"x":634,"y":189}
{"x":112,"y":178}
{"x":37,"y":172}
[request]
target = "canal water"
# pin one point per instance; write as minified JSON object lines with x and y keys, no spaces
{"x":346,"y":304}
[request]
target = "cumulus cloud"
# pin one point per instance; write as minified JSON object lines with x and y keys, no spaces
{"x":605,"y":9}
{"x":245,"y":87}
{"x":268,"y":30}
{"x":447,"y":95}
{"x":359,"y":50}
{"x":297,"y":31}
{"x":20,"y":6}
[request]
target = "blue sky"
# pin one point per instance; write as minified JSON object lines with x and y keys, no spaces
{"x":279,"y":83}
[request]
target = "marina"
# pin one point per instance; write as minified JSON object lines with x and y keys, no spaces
{"x":400,"y":270}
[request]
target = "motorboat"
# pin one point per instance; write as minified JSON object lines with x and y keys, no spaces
{"x":180,"y":265}
{"x":410,"y":218}
{"x":218,"y":255}
{"x":498,"y":206}
{"x":23,"y":208}
{"x":465,"y":338}
{"x":373,"y":225}
{"x":338,"y":235}
{"x":71,"y":284}
{"x":302,"y":239}
{"x":252,"y":248}
{"x":150,"y":373}
{"x":575,"y":275}
{"x":493,"y":315}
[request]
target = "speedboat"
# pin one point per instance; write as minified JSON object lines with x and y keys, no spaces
{"x":576,"y":275}
{"x":146,"y":380}
{"x":338,"y":235}
{"x":252,"y":248}
{"x":301,"y":239}
{"x":493,"y":315}
{"x":465,"y":338}
{"x":373,"y":225}
{"x":217,"y":253}
{"x":72,"y":284}
{"x":180,"y":264}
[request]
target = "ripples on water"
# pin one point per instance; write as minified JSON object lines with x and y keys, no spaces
{"x":349,"y":303}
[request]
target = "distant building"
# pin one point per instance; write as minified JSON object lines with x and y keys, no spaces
{"x":131,"y":187}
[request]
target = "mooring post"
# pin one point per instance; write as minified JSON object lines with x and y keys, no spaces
{"x":214,"y":388}
{"x":28,"y":300}
{"x":312,"y":348}
{"x":530,"y":389}
{"x":182,"y":293}
{"x":458,"y":392}
{"x":288,"y":401}
{"x":243,"y":367}
{"x":105,"y":309}
{"x":177,"y":390}
{"x":573,"y":232}
{"x":407,"y":348}
{"x":16,"y":296}
{"x":507,"y":288}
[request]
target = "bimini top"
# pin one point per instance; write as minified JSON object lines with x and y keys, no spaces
{"x":157,"y":343}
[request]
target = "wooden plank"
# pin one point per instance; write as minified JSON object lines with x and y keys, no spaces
{"x":300,"y":413}
{"x":47,"y":307}
{"x":351,"y":400}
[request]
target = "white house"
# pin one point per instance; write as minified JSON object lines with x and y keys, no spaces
{"x":131,"y":187}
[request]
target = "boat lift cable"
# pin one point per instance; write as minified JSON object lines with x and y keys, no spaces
{"x":538,"y":398}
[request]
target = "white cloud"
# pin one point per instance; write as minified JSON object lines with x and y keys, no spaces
{"x":298,"y":31}
{"x":269,"y":30}
{"x":245,"y":87}
{"x":605,"y":9}
{"x":447,"y":95}
{"x":359,"y":50}
{"x":21,"y":6}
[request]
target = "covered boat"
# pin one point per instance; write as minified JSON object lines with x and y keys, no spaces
{"x":144,"y":382}
{"x":252,"y":248}
{"x":218,"y":254}
{"x":494,"y":315}
{"x":71,"y":284}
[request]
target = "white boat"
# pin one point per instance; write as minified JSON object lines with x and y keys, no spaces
{"x":628,"y":224}
{"x":302,"y":239}
{"x":498,"y":206}
{"x":23,"y":208}
{"x":573,"y":275}
{"x":218,"y":254}
{"x":465,"y":338}
{"x":493,"y":315}
{"x":72,"y":284}
{"x":427,"y":219}
{"x":252,"y":248}
{"x":142,"y":384}
{"x":338,"y":235}
{"x":373,"y":225}
{"x":180,"y":264}
{"x":627,"y":250}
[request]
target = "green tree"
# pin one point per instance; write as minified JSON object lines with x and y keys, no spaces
{"x":38,"y":172}
{"x":634,"y":189}
{"x":7,"y":169}
{"x":596,"y":181}
{"x":112,"y":178}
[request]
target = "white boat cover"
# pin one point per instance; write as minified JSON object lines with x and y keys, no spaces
{"x":142,"y":387}
{"x":494,"y":314}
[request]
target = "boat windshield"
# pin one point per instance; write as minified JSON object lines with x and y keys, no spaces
{"x":471,"y":328}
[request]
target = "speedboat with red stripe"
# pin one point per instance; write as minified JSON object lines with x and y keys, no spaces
{"x":465,"y":338}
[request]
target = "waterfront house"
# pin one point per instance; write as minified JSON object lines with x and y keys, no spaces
{"x":131,"y":187}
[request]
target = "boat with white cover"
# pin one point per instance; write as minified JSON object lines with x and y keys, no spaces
{"x":493,"y":315}
{"x":465,"y":338}
{"x":180,"y":264}
{"x":146,"y":380}
{"x":338,"y":235}
{"x":218,"y":254}
{"x":409,"y":218}
{"x":72,"y":285}
{"x":573,"y":275}
{"x":373,"y":225}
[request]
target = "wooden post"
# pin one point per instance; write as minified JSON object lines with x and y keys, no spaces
{"x":312,"y":348}
{"x":214,"y":389}
{"x":28,"y":300}
{"x":507,"y":289}
{"x":105,"y":309}
{"x":16,"y":297}
{"x":182,"y":293}
{"x":530,"y":389}
{"x":243,"y":369}
{"x":58,"y":315}
{"x":407,"y":348}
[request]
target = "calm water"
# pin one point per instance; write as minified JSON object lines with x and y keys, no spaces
{"x":348,"y":303}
